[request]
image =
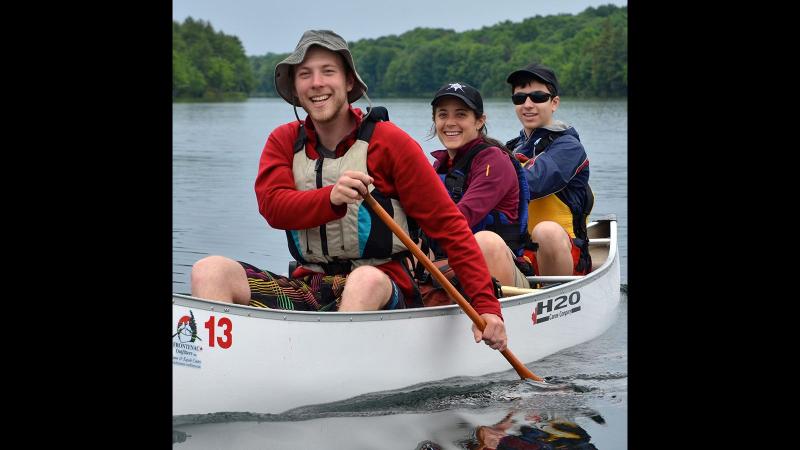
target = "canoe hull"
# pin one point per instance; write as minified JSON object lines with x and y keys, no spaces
{"x":247,"y":359}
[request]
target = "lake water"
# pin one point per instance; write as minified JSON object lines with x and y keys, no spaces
{"x":216,"y":148}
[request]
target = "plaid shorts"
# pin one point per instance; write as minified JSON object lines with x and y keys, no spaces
{"x":317,"y":292}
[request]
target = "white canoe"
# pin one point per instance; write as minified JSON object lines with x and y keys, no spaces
{"x":246,"y":359}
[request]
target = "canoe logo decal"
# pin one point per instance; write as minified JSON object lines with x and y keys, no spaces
{"x":554,"y":308}
{"x":185,"y":349}
{"x":187,"y":329}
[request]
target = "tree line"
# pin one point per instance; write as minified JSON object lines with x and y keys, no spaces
{"x":588,"y":51}
{"x":208,"y":65}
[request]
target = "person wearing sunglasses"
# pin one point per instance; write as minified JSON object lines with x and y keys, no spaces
{"x":557,"y":170}
{"x":483,"y":179}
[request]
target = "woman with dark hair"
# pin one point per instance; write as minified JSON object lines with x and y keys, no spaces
{"x":483,"y":179}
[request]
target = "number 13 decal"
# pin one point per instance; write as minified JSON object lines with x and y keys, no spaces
{"x":226,"y":332}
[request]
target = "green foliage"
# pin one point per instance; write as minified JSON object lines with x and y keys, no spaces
{"x":264,"y":70}
{"x":588,"y":51}
{"x":208,"y":65}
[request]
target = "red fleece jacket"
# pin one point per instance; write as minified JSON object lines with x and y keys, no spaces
{"x":401,"y":171}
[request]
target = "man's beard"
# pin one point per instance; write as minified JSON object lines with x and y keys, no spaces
{"x":327,"y":114}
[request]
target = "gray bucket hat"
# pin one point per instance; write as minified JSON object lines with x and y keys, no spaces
{"x":324,"y":38}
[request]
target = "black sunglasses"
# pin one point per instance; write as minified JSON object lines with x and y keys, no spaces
{"x":535,"y":96}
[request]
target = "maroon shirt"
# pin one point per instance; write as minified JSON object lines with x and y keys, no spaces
{"x":496,"y":188}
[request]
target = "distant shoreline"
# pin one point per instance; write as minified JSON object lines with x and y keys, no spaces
{"x":224,"y":99}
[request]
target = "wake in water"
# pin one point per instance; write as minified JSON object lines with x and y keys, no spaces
{"x":487,"y":412}
{"x":558,"y":393}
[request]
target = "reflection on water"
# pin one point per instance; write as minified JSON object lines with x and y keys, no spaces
{"x":528,"y":431}
{"x":515,"y":428}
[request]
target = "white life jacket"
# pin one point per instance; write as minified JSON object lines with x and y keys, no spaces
{"x":360,"y":237}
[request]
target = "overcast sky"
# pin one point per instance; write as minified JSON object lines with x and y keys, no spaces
{"x":276,"y":26}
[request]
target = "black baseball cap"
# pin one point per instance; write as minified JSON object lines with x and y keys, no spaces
{"x":538,"y":71}
{"x":463,"y":91}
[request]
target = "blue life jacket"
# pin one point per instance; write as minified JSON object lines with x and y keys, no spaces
{"x":579,"y":203}
{"x":514,"y":233}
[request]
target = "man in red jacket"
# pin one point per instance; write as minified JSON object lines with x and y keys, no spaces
{"x":311,"y":180}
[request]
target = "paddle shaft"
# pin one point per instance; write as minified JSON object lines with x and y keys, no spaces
{"x":523,"y":371}
{"x":513,"y":290}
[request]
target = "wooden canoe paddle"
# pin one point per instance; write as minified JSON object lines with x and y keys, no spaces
{"x":523,"y":371}
{"x":513,"y":290}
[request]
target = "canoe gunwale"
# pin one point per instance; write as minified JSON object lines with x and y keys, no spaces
{"x":412,"y":313}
